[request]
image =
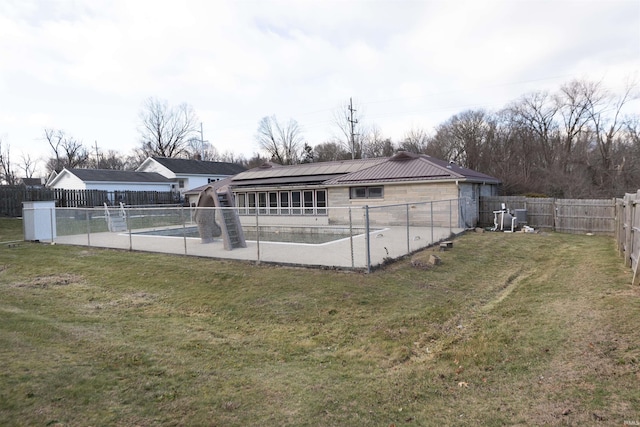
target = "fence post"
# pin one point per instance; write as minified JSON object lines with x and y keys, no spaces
{"x":126,"y":221}
{"x":628,"y":225}
{"x":88,"y":227}
{"x":52,"y":213}
{"x":351,"y":237}
{"x":366,"y":236}
{"x":184,"y":229}
{"x":257,"y":235}
{"x":431,"y":209}
{"x":451,"y":214}
{"x":408,"y":247}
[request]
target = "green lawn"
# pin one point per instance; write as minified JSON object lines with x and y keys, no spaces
{"x":511,"y":329}
{"x":10,"y":229}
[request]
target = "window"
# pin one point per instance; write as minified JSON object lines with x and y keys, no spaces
{"x":366,"y":192}
{"x":181,"y":183}
{"x":252,"y":203}
{"x":308,"y":202}
{"x":273,"y":203}
{"x":321,"y":202}
{"x":241,"y":201}
{"x":296,"y":202}
{"x":262,"y":203}
{"x":358,"y":193}
{"x":284,"y":203}
{"x":374,"y":192}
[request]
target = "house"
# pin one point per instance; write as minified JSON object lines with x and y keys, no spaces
{"x":109,"y":180}
{"x":158,"y":174}
{"x":187,"y":173}
{"x":32,"y":182}
{"x":310,"y":190}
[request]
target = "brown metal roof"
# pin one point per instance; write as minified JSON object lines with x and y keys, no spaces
{"x":412,"y":167}
{"x":403,"y":166}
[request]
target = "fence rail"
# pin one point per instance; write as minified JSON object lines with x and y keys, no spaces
{"x":11,"y":198}
{"x":628,"y":231}
{"x":563,"y":215}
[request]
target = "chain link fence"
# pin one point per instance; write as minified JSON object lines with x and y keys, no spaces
{"x":359,"y":238}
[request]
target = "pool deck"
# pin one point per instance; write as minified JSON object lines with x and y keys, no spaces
{"x":390,"y":242}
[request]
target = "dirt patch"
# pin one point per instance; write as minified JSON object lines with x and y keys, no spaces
{"x":132,"y":300}
{"x":52,"y":281}
{"x":86,"y":253}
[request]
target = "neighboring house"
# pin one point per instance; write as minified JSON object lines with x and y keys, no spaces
{"x":110,"y":180}
{"x":307,"y":190}
{"x":32,"y":182}
{"x":187,"y":173}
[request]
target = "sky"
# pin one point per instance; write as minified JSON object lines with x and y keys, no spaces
{"x":87,"y":66}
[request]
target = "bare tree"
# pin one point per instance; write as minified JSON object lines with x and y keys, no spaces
{"x":282,"y":143}
{"x":462,"y":138}
{"x":7,"y":173}
{"x":575,"y":101}
{"x":112,"y":159}
{"x":28,"y":165}
{"x":537,"y":112}
{"x":231,"y":157}
{"x":577,"y":142}
{"x":256,"y":160}
{"x":329,"y":152}
{"x":415,"y":141}
{"x":67,"y":151}
{"x":202,"y":150}
{"x":376,"y":145}
{"x":348,"y":120}
{"x":165,"y":130}
{"x":135,"y":159}
{"x":54,"y":137}
{"x":606,"y":127}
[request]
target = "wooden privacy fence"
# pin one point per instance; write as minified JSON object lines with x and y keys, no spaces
{"x":11,"y":198}
{"x":563,"y":215}
{"x":628,"y":231}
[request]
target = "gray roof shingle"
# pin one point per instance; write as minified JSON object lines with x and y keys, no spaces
{"x":199,"y":167}
{"x":110,"y":175}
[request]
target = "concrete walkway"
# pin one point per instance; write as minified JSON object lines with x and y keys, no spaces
{"x":391,"y":242}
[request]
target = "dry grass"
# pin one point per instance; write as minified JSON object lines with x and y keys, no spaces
{"x":509,"y":330}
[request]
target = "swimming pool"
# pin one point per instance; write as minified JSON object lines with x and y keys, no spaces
{"x":314,"y":236}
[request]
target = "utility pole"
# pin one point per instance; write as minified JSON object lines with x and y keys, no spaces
{"x":202,"y":141}
{"x":97,"y":156}
{"x":352,"y":122}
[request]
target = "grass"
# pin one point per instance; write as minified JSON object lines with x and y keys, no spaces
{"x":10,"y":229}
{"x":511,"y":329}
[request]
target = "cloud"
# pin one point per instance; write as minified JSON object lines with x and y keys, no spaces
{"x":87,"y":66}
